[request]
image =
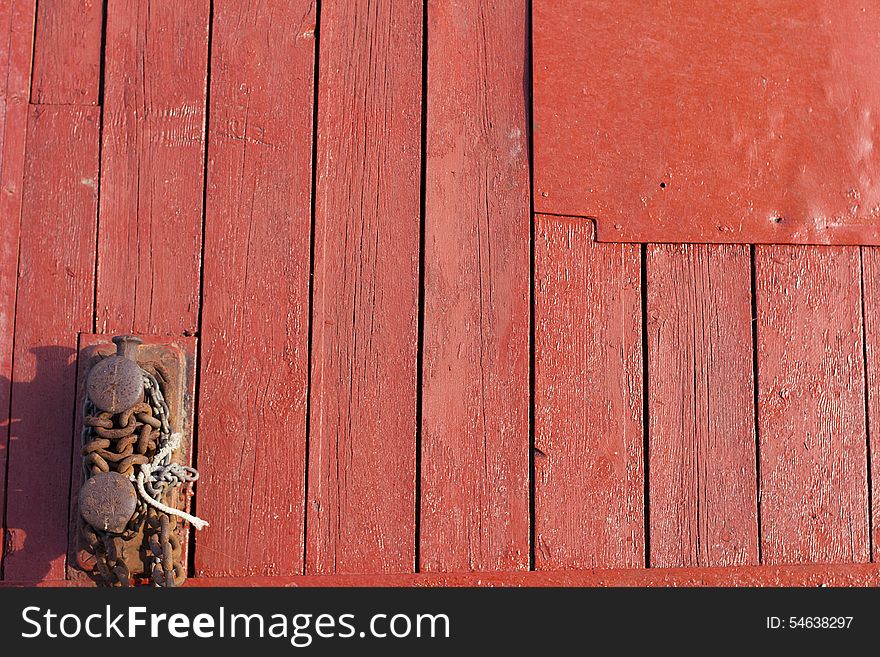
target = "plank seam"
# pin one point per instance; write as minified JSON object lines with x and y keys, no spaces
{"x":193,"y":543}
{"x":532,"y":273}
{"x":100,"y":169}
{"x":313,"y":211}
{"x":101,"y":65}
{"x":754,"y":328}
{"x":869,"y":470}
{"x":423,"y":182}
{"x":646,"y":424}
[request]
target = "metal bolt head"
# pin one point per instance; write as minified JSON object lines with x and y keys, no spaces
{"x":115,"y":384}
{"x":107,"y":501}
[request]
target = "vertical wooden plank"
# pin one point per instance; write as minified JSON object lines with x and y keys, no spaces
{"x":701,"y":417}
{"x":16,"y":43}
{"x":152,"y":167}
{"x":811,"y":405}
{"x":589,"y":465}
{"x":253,"y":384}
{"x":55,"y":303}
{"x":871,"y":309}
{"x":67,"y":57}
{"x":362,"y":443}
{"x":16,"y":37}
{"x":475,"y":398}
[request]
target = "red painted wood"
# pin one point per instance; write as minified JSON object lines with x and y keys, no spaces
{"x":708,"y":121}
{"x":152,"y":167}
{"x":806,"y":575}
{"x":589,"y":463}
{"x":701,"y":416}
{"x":362,"y":445}
{"x":55,"y":303}
{"x":253,"y":384}
{"x":16,"y":37}
{"x":871,"y":310}
{"x":811,"y":405}
{"x":67,"y":56}
{"x":475,"y":399}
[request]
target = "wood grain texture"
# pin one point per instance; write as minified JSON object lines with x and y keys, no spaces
{"x":701,"y":417}
{"x":16,"y":44}
{"x":803,"y":575}
{"x":55,"y":303}
{"x":475,"y":398}
{"x":362,"y":444}
{"x":152,"y":167}
{"x":67,"y":53}
{"x":871,"y":309}
{"x":253,"y":384}
{"x":811,"y":405}
{"x":589,"y":463}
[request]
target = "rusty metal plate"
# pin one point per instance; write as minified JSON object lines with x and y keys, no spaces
{"x":710,"y":121}
{"x":177,"y":356}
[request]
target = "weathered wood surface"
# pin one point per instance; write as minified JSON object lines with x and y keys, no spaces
{"x":361,"y":504}
{"x":475,"y":399}
{"x":55,"y":303}
{"x":253,"y":385}
{"x":67,"y":56}
{"x":701,"y":428}
{"x":16,"y":46}
{"x":152,"y":167}
{"x":803,"y":575}
{"x":589,"y":438}
{"x":337,"y":491}
{"x":811,"y":405}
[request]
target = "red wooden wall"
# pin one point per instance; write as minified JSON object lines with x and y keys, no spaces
{"x":401,"y":367}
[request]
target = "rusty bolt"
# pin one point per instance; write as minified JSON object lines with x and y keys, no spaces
{"x":116,"y":383}
{"x":107,"y":501}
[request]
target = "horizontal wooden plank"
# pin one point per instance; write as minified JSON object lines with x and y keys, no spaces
{"x":807,"y":575}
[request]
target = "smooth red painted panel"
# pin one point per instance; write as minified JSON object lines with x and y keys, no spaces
{"x":16,"y":44}
{"x":701,"y":416}
{"x":475,"y":398}
{"x":67,"y":56}
{"x":152,"y":167}
{"x":55,"y":303}
{"x":811,"y":405}
{"x":710,"y":121}
{"x":253,"y":385}
{"x":871,"y":309}
{"x":589,"y":462}
{"x":362,"y":446}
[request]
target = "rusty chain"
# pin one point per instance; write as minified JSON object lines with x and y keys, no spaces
{"x":120,"y":443}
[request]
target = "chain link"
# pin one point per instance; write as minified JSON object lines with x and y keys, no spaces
{"x":119,"y":443}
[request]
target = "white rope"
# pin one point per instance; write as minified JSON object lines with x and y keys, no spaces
{"x":146,"y":470}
